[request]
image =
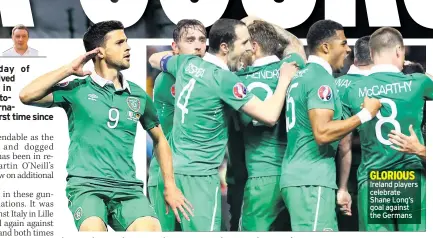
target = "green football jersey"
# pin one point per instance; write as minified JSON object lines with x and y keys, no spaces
{"x":402,"y":97}
{"x":264,"y":146}
{"x":305,"y":162}
{"x":163,"y":98}
{"x":343,"y":83}
{"x":102,"y":126}
{"x":205,"y":91}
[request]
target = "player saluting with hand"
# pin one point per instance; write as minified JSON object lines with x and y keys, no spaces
{"x":103,"y":111}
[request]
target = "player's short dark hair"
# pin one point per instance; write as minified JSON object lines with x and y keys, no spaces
{"x":412,"y":68}
{"x":361,"y":51}
{"x":266,"y":37}
{"x":320,"y":32}
{"x":223,"y":31}
{"x":95,"y":34}
{"x":183,"y":25}
{"x":385,"y":38}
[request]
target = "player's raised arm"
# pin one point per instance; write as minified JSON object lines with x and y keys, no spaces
{"x":156,"y":59}
{"x":290,"y":42}
{"x":173,"y":196}
{"x":39,"y":91}
{"x":294,"y":44}
{"x":269,"y":111}
{"x":327,"y":130}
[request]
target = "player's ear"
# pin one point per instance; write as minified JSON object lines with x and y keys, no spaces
{"x":255,"y":46}
{"x":224,"y":48}
{"x":397,"y":52}
{"x":175,"y":48}
{"x":325,"y":47}
{"x":400,"y":51}
{"x":101,"y":53}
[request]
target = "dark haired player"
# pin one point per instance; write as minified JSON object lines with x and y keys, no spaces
{"x":349,"y":149}
{"x":402,"y":97}
{"x":189,"y":37}
{"x":103,"y":110}
{"x":308,"y":180}
{"x":206,"y":90}
{"x":263,"y":206}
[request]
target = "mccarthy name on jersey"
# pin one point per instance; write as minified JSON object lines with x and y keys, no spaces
{"x":392,"y":88}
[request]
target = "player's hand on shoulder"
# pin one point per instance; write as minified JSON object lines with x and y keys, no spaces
{"x":344,"y":202}
{"x":76,"y":66}
{"x":372,"y":105}
{"x":288,"y":71}
{"x":177,"y":202}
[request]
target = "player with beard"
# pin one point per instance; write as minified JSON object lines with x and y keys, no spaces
{"x":236,"y":173}
{"x":403,"y":97}
{"x":189,"y":37}
{"x":308,"y":180}
{"x":206,"y":90}
{"x":103,"y":110}
{"x":263,"y":206}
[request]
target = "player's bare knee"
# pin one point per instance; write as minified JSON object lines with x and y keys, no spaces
{"x":93,"y":224}
{"x":145,"y":224}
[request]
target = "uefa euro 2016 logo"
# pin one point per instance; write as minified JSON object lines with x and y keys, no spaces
{"x":325,"y":93}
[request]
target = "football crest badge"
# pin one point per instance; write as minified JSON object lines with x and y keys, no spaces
{"x":133,"y":103}
{"x":78,"y":213}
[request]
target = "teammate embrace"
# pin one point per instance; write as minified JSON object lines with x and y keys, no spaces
{"x":291,"y":180}
{"x":255,"y":91}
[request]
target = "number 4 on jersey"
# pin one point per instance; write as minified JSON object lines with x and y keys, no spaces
{"x":187,"y":89}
